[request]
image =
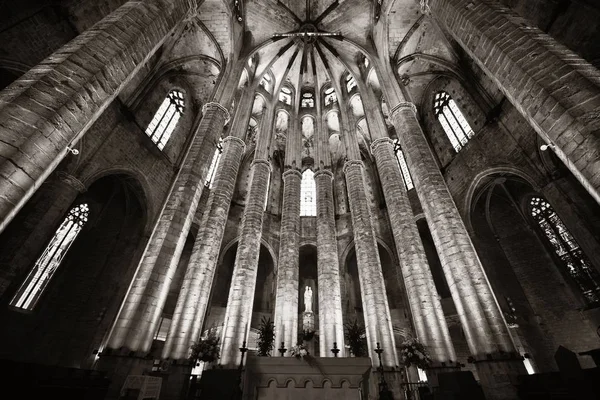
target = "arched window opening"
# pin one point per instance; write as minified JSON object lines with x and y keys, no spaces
{"x":308,"y":195}
{"x":265,"y":82}
{"x":30,"y":291}
{"x":308,"y":100}
{"x":366,"y":62}
{"x":350,"y":83}
{"x":408,"y":182}
{"x":212,"y":171}
{"x":452,"y":120}
{"x":576,"y":263}
{"x":330,"y":96}
{"x":251,"y":131}
{"x":285,"y":96}
{"x":165,"y":120}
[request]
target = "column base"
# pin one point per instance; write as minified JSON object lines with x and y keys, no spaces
{"x":436,"y":369}
{"x":498,"y":375}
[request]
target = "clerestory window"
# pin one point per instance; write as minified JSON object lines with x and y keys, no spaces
{"x":166,"y":118}
{"x":308,"y":100}
{"x":330,"y":96}
{"x":350,"y":83}
{"x":574,"y":261}
{"x":308,"y":195}
{"x":212,"y":171}
{"x":408,"y":182}
{"x":452,"y":120}
{"x":285,"y":96}
{"x":32,"y":288}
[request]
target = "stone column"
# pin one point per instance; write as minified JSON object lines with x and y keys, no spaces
{"x":482,"y":321}
{"x":144,"y":302}
{"x":428,"y":317}
{"x":331,"y":323}
{"x":286,"y":300}
{"x":26,"y":242}
{"x":243,"y":282}
{"x":50,"y":107}
{"x":193,"y":298}
{"x":378,"y":320}
{"x":556,"y":90}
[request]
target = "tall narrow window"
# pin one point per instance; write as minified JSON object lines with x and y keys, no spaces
{"x":212,"y":171}
{"x":45,"y":266}
{"x":308,"y":100}
{"x":285,"y":96}
{"x":265,"y":82}
{"x":452,"y":120}
{"x":350,"y":83}
{"x":330,"y":96}
{"x":165,"y":120}
{"x":308,"y":198}
{"x":403,"y":166}
{"x":576,"y":263}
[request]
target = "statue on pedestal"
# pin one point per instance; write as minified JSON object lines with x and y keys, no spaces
{"x":307,"y":299}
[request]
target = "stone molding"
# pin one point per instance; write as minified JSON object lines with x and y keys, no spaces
{"x":323,"y":172}
{"x":380,"y":141}
{"x":291,"y":172}
{"x":235,"y":140}
{"x":71,"y":181}
{"x":351,"y":163}
{"x":404,"y":105}
{"x":217,"y":106}
{"x":262,"y":161}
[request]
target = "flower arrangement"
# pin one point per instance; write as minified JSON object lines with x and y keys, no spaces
{"x":207,"y":348}
{"x":299,"y":351}
{"x":412,"y":352}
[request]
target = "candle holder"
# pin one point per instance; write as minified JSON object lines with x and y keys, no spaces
{"x":243,"y":350}
{"x":384,"y":392}
{"x":282,"y":349}
{"x":335,"y":349}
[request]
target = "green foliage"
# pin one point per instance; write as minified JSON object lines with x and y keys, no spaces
{"x":207,"y":348}
{"x":356,"y":338}
{"x":266,"y":337}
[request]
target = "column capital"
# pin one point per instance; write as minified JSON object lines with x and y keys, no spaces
{"x":381,"y":141}
{"x":215,"y":106}
{"x":262,"y":161}
{"x":292,"y":172}
{"x":351,"y":163}
{"x":324,"y":172}
{"x":71,"y":181}
{"x":235,"y":140}
{"x":402,"y":106}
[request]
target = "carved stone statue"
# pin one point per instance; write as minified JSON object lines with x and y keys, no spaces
{"x":307,"y":299}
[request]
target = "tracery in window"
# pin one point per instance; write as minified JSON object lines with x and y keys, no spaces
{"x":308,"y":196}
{"x":452,"y":120}
{"x":308,"y":100}
{"x":350,"y":83}
{"x":32,"y":288}
{"x":265,"y":82}
{"x":285,"y":96}
{"x":251,"y":131}
{"x":165,"y":120}
{"x":330,"y":96}
{"x":576,"y":263}
{"x":212,"y":171}
{"x":408,"y":182}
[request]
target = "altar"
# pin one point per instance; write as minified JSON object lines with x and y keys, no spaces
{"x":291,"y":378}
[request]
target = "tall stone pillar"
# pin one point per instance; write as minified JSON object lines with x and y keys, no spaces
{"x":482,"y":321}
{"x":378,"y":320}
{"x":193,"y":298}
{"x":556,"y":90}
{"x":331,"y":324}
{"x":286,"y":300}
{"x":49,"y":108}
{"x":243,"y":282}
{"x":428,"y":316}
{"x":142,"y":308}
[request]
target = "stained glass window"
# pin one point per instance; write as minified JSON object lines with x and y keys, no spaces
{"x":350,"y":83}
{"x":212,"y":171}
{"x":266,"y":82}
{"x":575,"y":262}
{"x":165,"y":120}
{"x":308,"y":100}
{"x":285,"y":96}
{"x":30,"y":291}
{"x":452,"y":120}
{"x":330,"y":96}
{"x":308,"y":195}
{"x":403,"y":166}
